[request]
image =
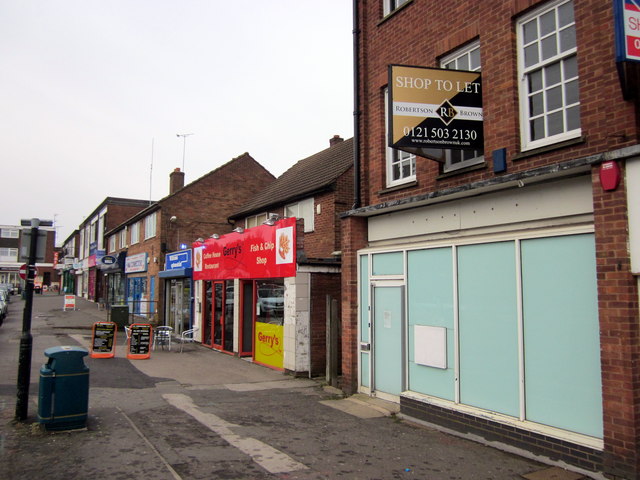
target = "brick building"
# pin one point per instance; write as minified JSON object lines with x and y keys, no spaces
{"x":493,"y":290}
{"x":140,"y":244}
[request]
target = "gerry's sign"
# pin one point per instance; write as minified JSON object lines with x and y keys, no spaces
{"x":433,"y":108}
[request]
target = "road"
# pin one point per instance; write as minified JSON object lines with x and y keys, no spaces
{"x":202,"y":414}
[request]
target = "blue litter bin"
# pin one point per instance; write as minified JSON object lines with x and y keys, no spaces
{"x":63,"y":398}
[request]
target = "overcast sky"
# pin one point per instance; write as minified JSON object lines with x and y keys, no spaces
{"x":94,"y":92}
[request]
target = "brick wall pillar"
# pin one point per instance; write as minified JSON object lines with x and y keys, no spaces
{"x":354,"y":237}
{"x":619,"y":333}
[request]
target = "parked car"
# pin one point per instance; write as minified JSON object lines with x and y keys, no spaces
{"x":3,"y":310}
{"x":5,"y":295}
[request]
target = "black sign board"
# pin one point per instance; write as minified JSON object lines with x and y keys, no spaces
{"x":140,"y":341}
{"x":103,"y":341}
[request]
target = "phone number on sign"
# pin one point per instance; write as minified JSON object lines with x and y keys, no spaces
{"x":440,"y":133}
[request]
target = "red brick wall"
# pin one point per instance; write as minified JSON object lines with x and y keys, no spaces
{"x":322,"y":284}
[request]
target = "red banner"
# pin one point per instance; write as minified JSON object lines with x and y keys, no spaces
{"x":259,"y":252}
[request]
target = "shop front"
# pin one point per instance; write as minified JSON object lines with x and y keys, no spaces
{"x":178,"y":288}
{"x":112,"y":269}
{"x":243,"y":278}
{"x":140,"y":288}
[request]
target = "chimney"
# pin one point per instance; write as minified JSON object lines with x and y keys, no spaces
{"x":176,"y":181}
{"x":335,"y":139}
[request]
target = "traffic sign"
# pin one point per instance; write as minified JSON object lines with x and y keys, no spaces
{"x":23,"y":271}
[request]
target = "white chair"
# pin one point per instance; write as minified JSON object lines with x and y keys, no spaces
{"x":188,"y":336}
{"x":162,"y":336}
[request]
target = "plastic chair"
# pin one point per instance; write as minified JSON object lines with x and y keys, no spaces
{"x":188,"y":336}
{"x":162,"y":337}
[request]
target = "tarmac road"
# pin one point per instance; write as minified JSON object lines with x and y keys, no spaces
{"x":206,"y":415}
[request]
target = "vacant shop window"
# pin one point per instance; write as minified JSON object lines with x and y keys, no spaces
{"x":401,"y":166}
{"x":548,"y":69}
{"x":467,"y":58}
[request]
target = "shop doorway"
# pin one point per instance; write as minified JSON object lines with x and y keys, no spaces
{"x":179,"y":304}
{"x":246,"y":323}
{"x":219,"y":328}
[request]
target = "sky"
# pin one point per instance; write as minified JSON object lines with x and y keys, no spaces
{"x":94,"y":93}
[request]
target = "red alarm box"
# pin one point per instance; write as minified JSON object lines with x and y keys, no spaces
{"x":609,"y":176}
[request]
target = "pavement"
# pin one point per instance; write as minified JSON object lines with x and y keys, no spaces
{"x":202,"y":414}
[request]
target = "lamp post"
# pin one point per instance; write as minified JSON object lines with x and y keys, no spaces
{"x":184,"y":145}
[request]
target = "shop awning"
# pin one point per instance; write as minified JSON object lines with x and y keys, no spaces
{"x":178,"y":272}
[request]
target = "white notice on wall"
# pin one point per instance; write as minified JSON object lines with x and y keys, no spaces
{"x":430,"y":346}
{"x":387,"y":319}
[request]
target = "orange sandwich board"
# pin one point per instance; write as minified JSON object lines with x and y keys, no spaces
{"x":69,"y":302}
{"x":103,"y":340}
{"x":139,"y":343}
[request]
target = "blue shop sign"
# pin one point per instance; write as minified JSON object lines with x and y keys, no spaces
{"x":178,"y":260}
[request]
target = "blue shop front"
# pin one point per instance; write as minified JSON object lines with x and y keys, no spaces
{"x":178,"y":290}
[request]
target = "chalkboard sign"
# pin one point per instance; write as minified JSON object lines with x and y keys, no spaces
{"x":103,"y":341}
{"x":140,"y":341}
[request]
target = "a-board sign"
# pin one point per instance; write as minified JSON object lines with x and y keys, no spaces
{"x":139,"y":343}
{"x":103,"y":340}
{"x":69,"y":302}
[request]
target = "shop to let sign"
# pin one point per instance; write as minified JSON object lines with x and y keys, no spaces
{"x":627,"y":15}
{"x":432,"y":109}
{"x":259,"y":252}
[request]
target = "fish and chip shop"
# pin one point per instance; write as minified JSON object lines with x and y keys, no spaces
{"x":248,"y":297}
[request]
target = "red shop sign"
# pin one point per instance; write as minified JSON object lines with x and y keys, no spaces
{"x":259,"y":252}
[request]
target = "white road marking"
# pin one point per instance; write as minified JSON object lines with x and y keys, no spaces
{"x":269,"y":458}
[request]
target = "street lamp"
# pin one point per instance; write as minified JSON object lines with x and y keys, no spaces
{"x":184,"y":144}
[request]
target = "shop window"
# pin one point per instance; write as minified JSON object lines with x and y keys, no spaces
{"x":135,"y":233}
{"x":548,"y":69}
{"x":389,"y":6}
{"x":270,"y":301}
{"x":401,"y":166}
{"x":302,"y":209}
{"x":467,"y":58}
{"x":9,"y":254}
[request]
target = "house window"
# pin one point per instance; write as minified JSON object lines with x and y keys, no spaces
{"x":9,"y":233}
{"x":135,"y":233}
{"x":548,"y":69}
{"x":467,"y":58}
{"x":304,"y":210}
{"x":123,"y":237}
{"x":150,"y":226}
{"x":391,"y":5}
{"x":112,"y":243}
{"x":401,"y":166}
{"x":9,"y":254}
{"x":256,"y":220}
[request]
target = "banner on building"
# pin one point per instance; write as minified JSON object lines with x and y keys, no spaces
{"x":259,"y":252}
{"x":431,"y":109}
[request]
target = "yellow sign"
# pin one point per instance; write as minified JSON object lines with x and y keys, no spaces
{"x":269,"y":344}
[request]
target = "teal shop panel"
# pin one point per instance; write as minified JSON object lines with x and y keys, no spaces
{"x":364,"y":298}
{"x":364,"y":369}
{"x":488,"y":327}
{"x":388,"y":263}
{"x":430,"y":302}
{"x":561,"y":333}
{"x":388,"y":339}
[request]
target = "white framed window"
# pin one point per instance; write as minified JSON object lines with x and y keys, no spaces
{"x":150,"y":226}
{"x":302,"y":209}
{"x":135,"y":233}
{"x":255,"y":220}
{"x":123,"y":237}
{"x":466,"y":58}
{"x":389,"y":6}
{"x":401,"y":166}
{"x":112,"y":243}
{"x":9,"y":254}
{"x":548,"y":72}
{"x":9,"y":233}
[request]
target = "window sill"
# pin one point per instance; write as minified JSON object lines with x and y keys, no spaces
{"x":460,"y":171}
{"x":549,"y":148}
{"x":395,"y":188}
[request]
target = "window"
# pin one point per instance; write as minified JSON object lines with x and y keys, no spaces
{"x":391,"y":5}
{"x":9,"y":254}
{"x":304,"y":210}
{"x":135,"y":233}
{"x":112,"y":243}
{"x":401,"y":166}
{"x":123,"y":237}
{"x":548,"y":69}
{"x":9,"y":233}
{"x":467,"y":58}
{"x":150,"y":226}
{"x":255,"y":220}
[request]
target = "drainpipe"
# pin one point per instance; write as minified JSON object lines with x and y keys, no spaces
{"x":356,"y":108}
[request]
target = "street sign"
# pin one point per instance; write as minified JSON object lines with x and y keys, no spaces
{"x":23,"y":271}
{"x":627,"y":30}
